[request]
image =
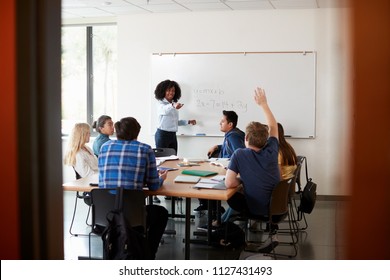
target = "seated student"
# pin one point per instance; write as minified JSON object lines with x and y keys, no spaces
{"x":234,"y":137}
{"x":258,"y":168}
{"x":78,"y":154}
{"x":233,"y":140}
{"x":131,"y":164}
{"x":105,"y":127}
{"x":287,"y":157}
{"x":287,"y":161}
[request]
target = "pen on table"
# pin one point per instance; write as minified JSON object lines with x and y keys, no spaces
{"x":200,"y":134}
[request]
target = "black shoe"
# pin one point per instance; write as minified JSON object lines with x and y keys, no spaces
{"x":200,"y":208}
{"x":274,"y":228}
{"x":268,"y":246}
{"x":168,"y":198}
{"x":156,"y":199}
{"x":204,"y":228}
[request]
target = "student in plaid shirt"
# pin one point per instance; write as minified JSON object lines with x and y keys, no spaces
{"x":131,"y":164}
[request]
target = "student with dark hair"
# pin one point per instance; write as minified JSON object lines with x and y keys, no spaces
{"x":168,"y":94}
{"x":287,"y":157}
{"x":130,"y":164}
{"x":234,"y":139}
{"x":105,"y":127}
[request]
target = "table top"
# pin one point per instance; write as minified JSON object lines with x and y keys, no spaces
{"x":169,"y":187}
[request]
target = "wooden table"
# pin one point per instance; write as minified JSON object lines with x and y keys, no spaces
{"x":170,"y":188}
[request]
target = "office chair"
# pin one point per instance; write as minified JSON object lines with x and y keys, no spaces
{"x":300,"y":215}
{"x":164,"y":152}
{"x":103,"y":201}
{"x":87,"y":199}
{"x":293,"y":193}
{"x":279,"y":210}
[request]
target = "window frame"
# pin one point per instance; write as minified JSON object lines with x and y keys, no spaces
{"x":89,"y":75}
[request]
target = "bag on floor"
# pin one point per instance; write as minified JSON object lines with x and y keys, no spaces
{"x":228,"y":235}
{"x":120,"y":240}
{"x":308,"y":195}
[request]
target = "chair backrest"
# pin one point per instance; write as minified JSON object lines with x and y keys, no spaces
{"x":76,"y":173}
{"x":279,"y":200}
{"x":164,"y":152}
{"x":103,"y":201}
{"x":297,"y":173}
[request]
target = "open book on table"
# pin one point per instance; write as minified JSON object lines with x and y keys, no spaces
{"x":217,"y":183}
{"x":172,"y":157}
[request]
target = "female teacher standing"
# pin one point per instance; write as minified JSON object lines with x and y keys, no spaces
{"x":168,"y":94}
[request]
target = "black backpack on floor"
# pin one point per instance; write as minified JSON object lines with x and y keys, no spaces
{"x":228,"y":235}
{"x":121,"y":241}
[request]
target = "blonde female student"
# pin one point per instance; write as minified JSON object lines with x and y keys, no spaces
{"x":78,"y":154}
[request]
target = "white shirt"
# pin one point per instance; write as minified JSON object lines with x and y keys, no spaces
{"x":86,"y":162}
{"x":168,"y":116}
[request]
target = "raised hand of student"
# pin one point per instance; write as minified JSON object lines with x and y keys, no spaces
{"x":260,"y":97}
{"x":261,"y":100}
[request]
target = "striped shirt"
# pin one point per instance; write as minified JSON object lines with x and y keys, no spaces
{"x":127,"y":164}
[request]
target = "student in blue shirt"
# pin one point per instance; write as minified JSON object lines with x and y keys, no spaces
{"x":234,"y":137}
{"x":258,"y":168}
{"x":105,"y":127}
{"x":130,"y":164}
{"x":233,"y":140}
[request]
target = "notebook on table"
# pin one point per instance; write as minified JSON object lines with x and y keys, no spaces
{"x":202,"y":173}
{"x":162,"y":168}
{"x":186,"y":179}
{"x":212,"y":186}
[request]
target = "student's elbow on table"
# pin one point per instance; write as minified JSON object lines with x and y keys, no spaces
{"x":231,"y":183}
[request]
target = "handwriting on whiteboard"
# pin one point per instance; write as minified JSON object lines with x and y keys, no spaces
{"x":237,"y":105}
{"x":215,"y":99}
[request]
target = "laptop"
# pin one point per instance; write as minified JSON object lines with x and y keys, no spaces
{"x":187,"y":179}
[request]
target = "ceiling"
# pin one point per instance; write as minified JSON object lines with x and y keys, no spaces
{"x":81,"y":9}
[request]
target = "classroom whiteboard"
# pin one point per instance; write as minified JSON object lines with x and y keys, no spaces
{"x":212,"y":82}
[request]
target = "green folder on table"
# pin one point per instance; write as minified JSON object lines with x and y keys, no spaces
{"x":202,"y":173}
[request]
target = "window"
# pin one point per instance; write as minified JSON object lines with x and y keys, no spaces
{"x":89,"y":56}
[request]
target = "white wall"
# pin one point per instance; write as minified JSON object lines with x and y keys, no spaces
{"x":321,"y":30}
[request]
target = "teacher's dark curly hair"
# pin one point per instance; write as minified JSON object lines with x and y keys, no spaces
{"x":163,"y":86}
